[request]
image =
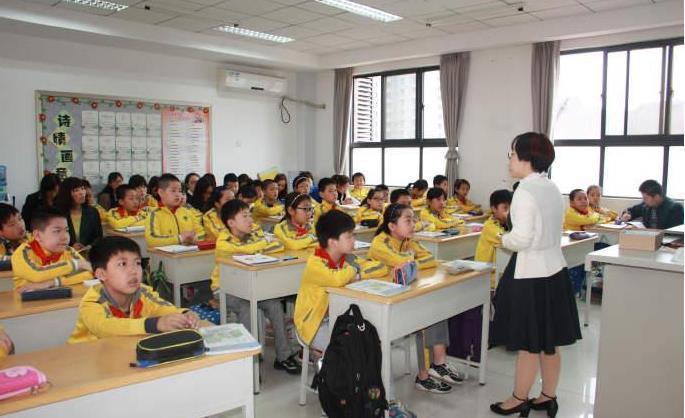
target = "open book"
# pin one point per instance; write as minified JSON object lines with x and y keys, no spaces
{"x":377,"y":287}
{"x":131,"y":229}
{"x":361,"y":245}
{"x":228,"y":338}
{"x":177,"y":249}
{"x":430,"y":234}
{"x":255,"y":259}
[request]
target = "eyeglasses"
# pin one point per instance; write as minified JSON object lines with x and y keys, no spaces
{"x":306,"y":208}
{"x":510,"y":154}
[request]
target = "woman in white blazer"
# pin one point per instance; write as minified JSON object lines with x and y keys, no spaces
{"x":535,"y":310}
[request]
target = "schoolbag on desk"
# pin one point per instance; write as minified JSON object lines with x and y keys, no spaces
{"x":349,"y":382}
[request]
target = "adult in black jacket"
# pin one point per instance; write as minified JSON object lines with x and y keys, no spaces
{"x":44,"y":197}
{"x":107,"y":198}
{"x":656,"y":210}
{"x":84,"y":221}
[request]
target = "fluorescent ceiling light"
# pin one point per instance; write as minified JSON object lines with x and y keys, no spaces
{"x":361,"y":10}
{"x":237,"y":30}
{"x":100,"y":4}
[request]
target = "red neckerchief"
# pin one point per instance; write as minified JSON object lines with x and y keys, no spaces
{"x":137,"y":309}
{"x":161,"y":205}
{"x":44,"y":258}
{"x":320,"y":252}
{"x":124,"y":213}
{"x":460,"y":199}
{"x":300,"y":230}
{"x":583,"y":212}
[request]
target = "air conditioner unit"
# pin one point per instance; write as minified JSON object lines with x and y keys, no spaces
{"x":247,"y":82}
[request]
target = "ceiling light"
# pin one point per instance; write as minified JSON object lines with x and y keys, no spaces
{"x":361,"y":10}
{"x":100,"y":4}
{"x":236,"y":30}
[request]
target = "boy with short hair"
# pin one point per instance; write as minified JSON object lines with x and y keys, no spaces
{"x":493,"y":228}
{"x":172,"y":223}
{"x":127,"y":212}
{"x":47,"y":260}
{"x":12,"y":234}
{"x":240,"y":238}
{"x":121,"y":304}
{"x":231,"y":182}
{"x":332,"y":265}
{"x":329,"y":195}
{"x":269,"y":204}
{"x":441,"y":182}
{"x":342,"y":186}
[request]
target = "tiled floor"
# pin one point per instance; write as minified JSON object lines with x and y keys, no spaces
{"x":279,"y":394}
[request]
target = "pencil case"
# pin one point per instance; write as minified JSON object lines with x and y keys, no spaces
{"x":405,"y":273}
{"x":168,"y":347}
{"x":20,"y":380}
{"x":44,"y":294}
{"x":369,"y":223}
{"x":206,"y":245}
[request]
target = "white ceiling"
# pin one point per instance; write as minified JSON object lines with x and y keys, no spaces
{"x":319,"y":29}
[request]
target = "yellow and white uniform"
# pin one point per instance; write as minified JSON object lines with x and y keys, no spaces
{"x":29,"y":266}
{"x":261,"y":209}
{"x":365,"y":213}
{"x":164,"y":226}
{"x":212,"y":223}
{"x":322,"y":208}
{"x":490,"y":238}
{"x":393,"y":252}
{"x":294,"y":238}
{"x":439,"y":221}
{"x":359,"y":194}
{"x":118,"y":218}
{"x":576,"y":221}
{"x":457,"y":205}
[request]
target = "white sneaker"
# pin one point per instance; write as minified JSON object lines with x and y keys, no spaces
{"x":446,"y":373}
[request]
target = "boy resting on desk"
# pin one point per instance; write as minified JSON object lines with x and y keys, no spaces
{"x":120,"y":304}
{"x":128,"y":212}
{"x":12,"y":234}
{"x":332,"y":265}
{"x":493,"y":228}
{"x":47,"y":260}
{"x":240,"y":238}
{"x":172,"y":223}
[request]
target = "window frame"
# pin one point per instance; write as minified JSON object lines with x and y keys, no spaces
{"x":419,"y":141}
{"x":663,"y":139}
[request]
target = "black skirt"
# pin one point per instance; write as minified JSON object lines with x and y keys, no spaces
{"x":534,"y":315}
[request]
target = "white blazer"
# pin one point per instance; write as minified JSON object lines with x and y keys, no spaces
{"x":537,"y":215}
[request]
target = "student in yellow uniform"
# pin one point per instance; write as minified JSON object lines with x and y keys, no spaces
{"x":328,"y":194}
{"x":441,"y":182}
{"x":358,"y":190}
{"x":342,"y":186}
{"x":248,"y":194}
{"x":435,"y":213}
{"x":418,"y":191}
{"x":594,"y":197}
{"x":121,"y":305}
{"x":460,"y":200}
{"x":197,"y":214}
{"x":578,"y":215}
{"x":296,"y":231}
{"x":493,"y":228}
{"x":403,"y":197}
{"x":127,"y":212}
{"x":47,"y":260}
{"x":259,"y":188}
{"x":282,"y":182}
{"x":239,"y":238}
{"x":393,"y":246}
{"x":303,"y":185}
{"x":6,"y":344}
{"x":386,"y":194}
{"x":152,"y":198}
{"x":139,"y":184}
{"x":332,"y":265}
{"x":211,"y":220}
{"x":370,"y":213}
{"x":269,"y":204}
{"x":172,"y":223}
{"x":12,"y":234}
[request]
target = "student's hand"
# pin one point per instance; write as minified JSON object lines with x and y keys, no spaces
{"x":84,"y":265}
{"x":6,"y":343}
{"x":192,"y":320}
{"x":172,"y":322}
{"x":626,"y":217}
{"x":78,"y":246}
{"x":30,"y":287}
{"x":347,"y":201}
{"x":188,"y":237}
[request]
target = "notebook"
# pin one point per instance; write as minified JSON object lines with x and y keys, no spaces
{"x":228,"y":338}
{"x":377,"y":287}
{"x":177,"y":249}
{"x":430,"y":234}
{"x":255,"y":259}
{"x":462,"y":266}
{"x":131,"y":229}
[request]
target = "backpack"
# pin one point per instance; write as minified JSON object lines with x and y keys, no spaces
{"x":349,"y":382}
{"x":157,"y":280}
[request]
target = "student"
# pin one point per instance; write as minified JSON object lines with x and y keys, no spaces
{"x":386,"y":193}
{"x":329,"y":195}
{"x":6,"y":344}
{"x":43,"y":198}
{"x":401,"y":196}
{"x":282,"y":182}
{"x":441,"y":182}
{"x":231,"y":182}
{"x":269,"y":204}
{"x":107,"y":198}
{"x":46,"y":260}
{"x":127,"y":213}
{"x":211,"y":220}
{"x":418,"y":190}
{"x":578,"y":215}
{"x":171,"y":223}
{"x":370,"y":213}
{"x":203,"y":191}
{"x":189,"y":185}
{"x":248,"y":194}
{"x":138,"y":183}
{"x":393,"y":246}
{"x":85,"y":225}
{"x":460,"y":199}
{"x":656,"y":210}
{"x":594,"y":197}
{"x":12,"y":234}
{"x":342,"y":185}
{"x":238,"y":238}
{"x":90,"y":201}
{"x":296,"y":231}
{"x":332,"y":265}
{"x":152,"y":199}
{"x":313,"y":190}
{"x":303,"y":185}
{"x":120,"y":305}
{"x":259,"y":188}
{"x":493,"y":228}
{"x":358,"y":191}
{"x":243,"y":179}
{"x":435,"y":213}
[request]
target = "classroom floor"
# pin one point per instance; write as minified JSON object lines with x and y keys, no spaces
{"x":279,"y":392}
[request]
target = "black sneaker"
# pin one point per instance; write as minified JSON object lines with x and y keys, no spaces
{"x":432,"y":385}
{"x":290,"y":365}
{"x":446,"y":373}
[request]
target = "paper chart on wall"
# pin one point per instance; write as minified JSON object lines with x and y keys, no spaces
{"x":107,"y":119}
{"x":139,"y":167}
{"x":90,"y":147}
{"x":138,"y":121}
{"x":107,"y":167}
{"x":154,"y":121}
{"x":124,"y":167}
{"x":89,"y":119}
{"x":186,"y":138}
{"x":123,"y":120}
{"x":154,"y":168}
{"x":91,"y":168}
{"x":123,"y":145}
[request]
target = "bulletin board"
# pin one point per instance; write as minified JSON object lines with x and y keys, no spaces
{"x":90,"y":136}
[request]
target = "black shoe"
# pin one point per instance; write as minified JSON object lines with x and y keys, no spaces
{"x":290,"y":365}
{"x":523,"y":409}
{"x":550,"y":405}
{"x":432,"y":385}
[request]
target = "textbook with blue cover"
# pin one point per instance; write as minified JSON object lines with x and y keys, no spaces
{"x":228,"y":338}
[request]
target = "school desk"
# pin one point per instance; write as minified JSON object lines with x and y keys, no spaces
{"x":269,"y":222}
{"x":138,"y":237}
{"x":364,"y":233}
{"x":39,"y":324}
{"x":94,"y":379}
{"x":6,"y":280}
{"x":452,"y":247}
{"x":606,"y":235}
{"x":182,"y":268}
{"x":433,"y":297}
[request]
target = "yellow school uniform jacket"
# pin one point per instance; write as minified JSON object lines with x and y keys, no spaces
{"x":212,"y":223}
{"x":227,"y":244}
{"x":99,"y":317}
{"x":164,"y":227}
{"x":7,"y":248}
{"x":490,"y":238}
{"x":287,"y":234}
{"x":311,"y":306}
{"x":576,"y":221}
{"x":116,"y":220}
{"x":606,"y":215}
{"x":151,"y":202}
{"x":323,"y":208}
{"x":393,"y":252}
{"x":262,"y":210}
{"x":365,"y":213}
{"x":196,"y":213}
{"x":462,"y":207}
{"x":359,"y":194}
{"x":418,"y":203}
{"x":3,"y":353}
{"x":102,"y":212}
{"x":28,"y":267}
{"x":439,"y":220}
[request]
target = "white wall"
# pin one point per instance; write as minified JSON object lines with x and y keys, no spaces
{"x":247,"y":133}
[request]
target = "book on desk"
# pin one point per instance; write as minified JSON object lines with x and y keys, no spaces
{"x":228,"y":338}
{"x":178,"y":249}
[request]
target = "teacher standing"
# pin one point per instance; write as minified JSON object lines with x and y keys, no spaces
{"x":535,"y":310}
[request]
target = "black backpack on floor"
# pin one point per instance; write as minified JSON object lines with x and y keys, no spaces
{"x":349,"y":382}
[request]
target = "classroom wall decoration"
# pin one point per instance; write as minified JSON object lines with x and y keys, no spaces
{"x":90,"y":136}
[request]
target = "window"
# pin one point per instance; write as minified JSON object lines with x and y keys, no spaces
{"x":397,"y":126}
{"x":619,"y":118}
